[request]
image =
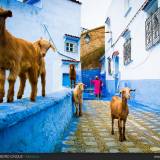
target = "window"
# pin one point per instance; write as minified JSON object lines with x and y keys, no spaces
{"x":152,"y":29}
{"x":127,"y":51}
{"x":127,"y":7}
{"x":70,"y":47}
{"x":151,"y":7}
{"x":71,"y":43}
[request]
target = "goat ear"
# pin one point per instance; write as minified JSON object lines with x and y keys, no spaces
{"x":132,"y":90}
{"x":9,"y":13}
{"x":39,"y":43}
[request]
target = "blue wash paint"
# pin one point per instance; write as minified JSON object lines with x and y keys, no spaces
{"x":35,"y":127}
{"x":147,"y":91}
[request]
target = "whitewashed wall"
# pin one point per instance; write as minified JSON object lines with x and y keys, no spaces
{"x":61,"y":17}
{"x":140,"y":68}
{"x":143,"y":73}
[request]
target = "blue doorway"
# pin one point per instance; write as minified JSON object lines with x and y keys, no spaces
{"x":117,"y":74}
{"x":66,"y":80}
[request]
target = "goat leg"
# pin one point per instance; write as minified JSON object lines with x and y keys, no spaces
{"x":71,"y":83}
{"x":120,"y":130}
{"x":80,"y":109}
{"x":76,"y":105}
{"x":112,"y":132}
{"x":33,"y":78}
{"x":22,"y":85}
{"x":43,"y":82}
{"x":124,"y":123}
{"x":11,"y":79}
{"x":2,"y":82}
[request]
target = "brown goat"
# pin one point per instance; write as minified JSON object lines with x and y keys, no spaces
{"x":42,"y":46}
{"x":77,"y":97}
{"x":18,"y":56}
{"x":120,"y":111}
{"x":72,"y":75}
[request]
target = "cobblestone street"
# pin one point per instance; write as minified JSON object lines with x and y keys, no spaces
{"x":91,"y":132}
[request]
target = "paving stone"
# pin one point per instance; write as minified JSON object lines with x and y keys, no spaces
{"x":114,"y":151}
{"x":134,"y":134}
{"x":92,"y":150}
{"x":89,"y":139}
{"x":86,"y":129}
{"x":155,"y":149}
{"x":67,"y":150}
{"x":69,"y":142}
{"x":109,"y":139}
{"x":156,"y":138}
{"x":86,"y":134}
{"x":111,"y":144}
{"x":128,"y":144}
{"x":104,"y":135}
{"x":103,"y":130}
{"x":90,"y":143}
{"x":70,"y":138}
{"x":134,"y":150}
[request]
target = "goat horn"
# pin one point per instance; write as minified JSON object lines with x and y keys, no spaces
{"x":53,"y":48}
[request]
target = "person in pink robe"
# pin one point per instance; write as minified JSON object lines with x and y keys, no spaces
{"x":97,"y":86}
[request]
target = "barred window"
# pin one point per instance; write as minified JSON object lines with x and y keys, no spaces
{"x":127,"y":51}
{"x":152,"y":29}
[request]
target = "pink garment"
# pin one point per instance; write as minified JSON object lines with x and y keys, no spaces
{"x":97,"y":86}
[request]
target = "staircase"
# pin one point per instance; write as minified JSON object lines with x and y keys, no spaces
{"x":89,"y":94}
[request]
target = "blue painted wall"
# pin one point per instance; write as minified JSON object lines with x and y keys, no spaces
{"x":110,"y":87}
{"x":147,"y":91}
{"x":88,"y":75}
{"x":35,"y":127}
{"x":103,"y":78}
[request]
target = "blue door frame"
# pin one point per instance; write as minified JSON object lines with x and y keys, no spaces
{"x":116,"y":60}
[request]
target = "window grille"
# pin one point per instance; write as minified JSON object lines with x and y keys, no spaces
{"x":127,"y":51}
{"x":152,"y":29}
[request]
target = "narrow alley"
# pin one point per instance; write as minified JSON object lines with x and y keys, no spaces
{"x":91,"y":133}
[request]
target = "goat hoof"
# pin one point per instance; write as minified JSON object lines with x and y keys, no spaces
{"x":43,"y":95}
{"x":112,"y":133}
{"x":9,"y":100}
{"x":1,"y":100}
{"x":19,"y":97}
{"x":120,"y":139}
{"x":80,"y":114}
{"x":76,"y":114}
{"x":32,"y":99}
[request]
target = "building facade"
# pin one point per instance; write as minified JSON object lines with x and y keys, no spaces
{"x":92,"y":58}
{"x":92,"y":47}
{"x":58,"y":21}
{"x":132,"y":48}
